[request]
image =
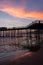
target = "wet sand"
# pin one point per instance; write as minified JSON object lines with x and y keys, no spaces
{"x":29,"y":58}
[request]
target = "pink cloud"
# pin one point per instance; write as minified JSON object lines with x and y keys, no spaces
{"x":19,"y":11}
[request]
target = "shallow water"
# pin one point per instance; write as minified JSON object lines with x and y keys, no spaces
{"x":11,"y":52}
{"x":9,"y":48}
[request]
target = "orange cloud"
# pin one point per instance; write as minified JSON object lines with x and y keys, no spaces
{"x":35,"y":14}
{"x":23,"y":14}
{"x":19,"y":11}
{"x":13,"y":11}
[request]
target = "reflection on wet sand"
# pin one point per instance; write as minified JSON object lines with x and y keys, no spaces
{"x":21,"y":56}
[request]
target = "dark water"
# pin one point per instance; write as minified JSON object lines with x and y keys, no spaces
{"x":9,"y":47}
{"x":9,"y":52}
{"x":11,"y":44}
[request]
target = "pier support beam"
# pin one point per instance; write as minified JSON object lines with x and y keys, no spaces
{"x":30,"y":38}
{"x":27,"y":37}
{"x":18,"y":37}
{"x":3,"y":33}
{"x":39,"y":33}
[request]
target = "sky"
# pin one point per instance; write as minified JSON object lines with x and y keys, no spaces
{"x":15,"y":13}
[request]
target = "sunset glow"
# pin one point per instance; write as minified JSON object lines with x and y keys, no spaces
{"x":22,"y":14}
{"x":20,"y":10}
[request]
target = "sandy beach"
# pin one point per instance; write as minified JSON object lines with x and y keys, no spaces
{"x":28,"y":58}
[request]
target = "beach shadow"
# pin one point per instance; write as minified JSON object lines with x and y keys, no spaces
{"x":35,"y":49}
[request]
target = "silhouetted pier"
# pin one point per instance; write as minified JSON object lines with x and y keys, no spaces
{"x":31,"y":35}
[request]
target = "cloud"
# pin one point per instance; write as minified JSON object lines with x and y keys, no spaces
{"x":23,"y":9}
{"x":4,"y":22}
{"x":23,"y":14}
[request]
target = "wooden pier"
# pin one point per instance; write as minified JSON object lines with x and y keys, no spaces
{"x":31,"y":35}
